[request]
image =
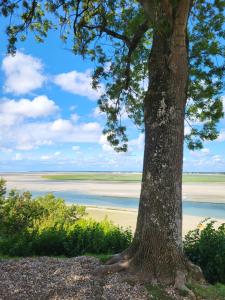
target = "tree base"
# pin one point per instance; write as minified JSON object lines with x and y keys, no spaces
{"x":125,"y":263}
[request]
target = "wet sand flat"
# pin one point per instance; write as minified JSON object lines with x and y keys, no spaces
{"x":205,"y":192}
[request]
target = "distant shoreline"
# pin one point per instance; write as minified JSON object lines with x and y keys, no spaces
{"x":116,"y":172}
{"x":194,"y":191}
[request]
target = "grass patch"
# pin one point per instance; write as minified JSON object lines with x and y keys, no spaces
{"x":102,"y":257}
{"x":209,"y":292}
{"x":156,"y":292}
{"x":187,"y":178}
{"x":7,"y":257}
{"x":206,"y":292}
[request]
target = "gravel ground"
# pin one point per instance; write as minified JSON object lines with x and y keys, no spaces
{"x":50,"y":278}
{"x":53,"y":278}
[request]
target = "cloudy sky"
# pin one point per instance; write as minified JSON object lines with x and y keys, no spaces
{"x":50,"y":121}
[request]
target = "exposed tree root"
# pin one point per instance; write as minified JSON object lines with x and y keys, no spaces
{"x":112,"y":268}
{"x":115,"y":259}
{"x":125,"y":255}
{"x":195,"y":273}
{"x":125,"y":262}
{"x":180,"y":284}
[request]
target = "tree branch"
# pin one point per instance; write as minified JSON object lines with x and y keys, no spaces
{"x":149,"y":7}
{"x":133,"y":45}
{"x":30,"y":16}
{"x":102,"y":27}
{"x":112,"y":33}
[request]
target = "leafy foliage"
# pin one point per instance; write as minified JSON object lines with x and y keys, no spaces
{"x":2,"y":187}
{"x":47,"y":226}
{"x":205,"y":246}
{"x":206,"y":72}
{"x":117,"y":35}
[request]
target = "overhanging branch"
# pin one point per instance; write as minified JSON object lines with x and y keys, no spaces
{"x":132,"y":46}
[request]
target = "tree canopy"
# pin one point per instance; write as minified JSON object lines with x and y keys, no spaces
{"x":117,"y":36}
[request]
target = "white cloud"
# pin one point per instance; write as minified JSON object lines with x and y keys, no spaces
{"x":12,"y":111}
{"x":36,"y":133}
{"x":57,"y":153}
{"x":113,"y":160}
{"x":26,"y":143}
{"x":96,"y":113}
{"x":221,"y":136}
{"x":74,"y":117}
{"x":91,"y":126}
{"x":218,"y":159}
{"x":24,"y":73}
{"x":187,"y":128}
{"x":223,"y":101}
{"x":8,"y":120}
{"x":76,"y":148}
{"x":17,"y":157}
{"x":5,"y":150}
{"x":138,"y":143}
{"x":50,"y":156}
{"x":201,"y":153}
{"x":205,"y":160}
{"x":105,"y":144}
{"x":46,"y":157}
{"x":78,"y":83}
{"x":133,"y":145}
{"x":15,"y":112}
{"x":206,"y":151}
{"x":61,"y":125}
{"x":72,"y":107}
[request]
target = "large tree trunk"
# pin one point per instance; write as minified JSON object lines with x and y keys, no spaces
{"x":157,"y":246}
{"x":156,"y":252}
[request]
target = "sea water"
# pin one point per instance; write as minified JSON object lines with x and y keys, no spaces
{"x":202,"y":209}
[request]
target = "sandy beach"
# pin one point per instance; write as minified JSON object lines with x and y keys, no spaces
{"x":128,"y":218}
{"x":205,"y":192}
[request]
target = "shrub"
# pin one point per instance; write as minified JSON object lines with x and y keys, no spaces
{"x":2,"y":187}
{"x":47,"y":226}
{"x":205,"y":246}
{"x":89,"y":236}
{"x":49,"y":241}
{"x":18,"y":212}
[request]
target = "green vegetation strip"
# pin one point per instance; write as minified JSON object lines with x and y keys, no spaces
{"x":95,"y":177}
{"x":209,"y":292}
{"x":187,"y":178}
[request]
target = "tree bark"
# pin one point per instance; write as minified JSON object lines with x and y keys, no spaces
{"x":156,"y":252}
{"x":157,"y":247}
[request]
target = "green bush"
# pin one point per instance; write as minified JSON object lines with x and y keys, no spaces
{"x":205,"y":246}
{"x":89,"y":236}
{"x":47,"y":226}
{"x":18,"y":212}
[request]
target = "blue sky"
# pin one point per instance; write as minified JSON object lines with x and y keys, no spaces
{"x":50,"y":121}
